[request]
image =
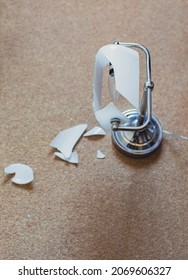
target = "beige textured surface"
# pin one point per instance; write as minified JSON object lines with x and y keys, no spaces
{"x":117,"y":208}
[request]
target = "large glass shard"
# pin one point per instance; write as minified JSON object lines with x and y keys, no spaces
{"x":67,"y":139}
{"x":125,"y":63}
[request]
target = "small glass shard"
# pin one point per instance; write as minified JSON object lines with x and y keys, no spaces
{"x":95,"y":131}
{"x":73,"y":158}
{"x":66,"y":139}
{"x":23,"y":173}
{"x":100,"y":154}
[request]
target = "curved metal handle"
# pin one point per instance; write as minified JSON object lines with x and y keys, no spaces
{"x":146,"y":99}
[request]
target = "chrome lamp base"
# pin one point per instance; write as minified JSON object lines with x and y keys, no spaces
{"x":140,"y":143}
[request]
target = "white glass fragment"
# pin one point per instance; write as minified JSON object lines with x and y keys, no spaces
{"x":125,"y":62}
{"x":72,"y":159}
{"x":66,"y":139}
{"x":23,"y":173}
{"x":95,"y":131}
{"x":100,"y":154}
{"x":105,"y":115}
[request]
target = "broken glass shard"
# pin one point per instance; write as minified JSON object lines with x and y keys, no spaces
{"x":100,"y":154}
{"x":95,"y":131}
{"x":125,"y":63}
{"x":23,"y":173}
{"x":66,"y":139}
{"x":73,"y":158}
